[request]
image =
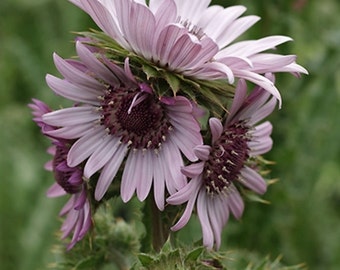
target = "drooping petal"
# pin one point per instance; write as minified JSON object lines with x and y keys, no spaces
{"x":260,"y":146}
{"x":146,"y":174}
{"x":239,"y":98}
{"x":264,"y":111}
{"x":55,"y":191}
{"x":159,"y":181}
{"x":101,"y":155}
{"x":253,"y":180}
{"x":252,"y":47}
{"x":218,"y":215}
{"x":202,"y":211}
{"x":80,"y":201}
{"x":130,"y":176}
{"x":109,"y":172}
{"x":189,"y":193}
{"x":235,"y":202}
{"x":171,"y":154}
{"x":262,"y":130}
{"x":260,"y":81}
{"x":85,"y":146}
{"x":186,"y":146}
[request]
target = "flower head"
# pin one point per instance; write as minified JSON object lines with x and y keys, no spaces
{"x":191,"y":38}
{"x":117,"y":116}
{"x":227,"y":163}
{"x":69,"y":180}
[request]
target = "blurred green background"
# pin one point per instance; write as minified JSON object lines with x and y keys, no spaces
{"x":303,"y":221}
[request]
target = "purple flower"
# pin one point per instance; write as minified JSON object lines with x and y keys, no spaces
{"x":117,"y":116}
{"x":226,"y":163}
{"x":188,"y":37}
{"x":69,"y":180}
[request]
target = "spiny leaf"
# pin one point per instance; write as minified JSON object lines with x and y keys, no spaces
{"x":146,"y":259}
{"x":173,"y":82}
{"x":254,"y":197}
{"x":150,"y":71}
{"x":193,"y":255}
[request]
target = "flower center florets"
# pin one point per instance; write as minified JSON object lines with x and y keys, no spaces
{"x":69,"y":178}
{"x":137,"y":117}
{"x":227,"y":158}
{"x":192,"y":28}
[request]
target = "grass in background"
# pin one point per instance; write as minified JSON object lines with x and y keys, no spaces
{"x":302,"y":223}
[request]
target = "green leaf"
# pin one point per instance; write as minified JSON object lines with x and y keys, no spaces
{"x":193,"y":255}
{"x":146,"y":259}
{"x":173,"y":255}
{"x":173,"y":82}
{"x":150,"y":71}
{"x":167,"y":247}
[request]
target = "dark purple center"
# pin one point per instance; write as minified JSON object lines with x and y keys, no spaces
{"x":64,"y":174}
{"x":226,"y":159}
{"x":137,"y":117}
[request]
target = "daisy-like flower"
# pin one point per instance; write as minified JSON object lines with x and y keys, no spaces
{"x":226,"y":163}
{"x":191,"y":38}
{"x":117,"y":117}
{"x":69,"y":180}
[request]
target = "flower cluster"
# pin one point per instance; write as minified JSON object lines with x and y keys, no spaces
{"x":122,"y":129}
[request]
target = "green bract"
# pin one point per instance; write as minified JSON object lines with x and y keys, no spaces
{"x":214,"y":95}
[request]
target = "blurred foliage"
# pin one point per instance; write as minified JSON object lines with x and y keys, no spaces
{"x":301,"y":223}
{"x":112,"y":244}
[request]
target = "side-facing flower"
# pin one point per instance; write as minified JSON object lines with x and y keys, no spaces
{"x":191,"y":38}
{"x":226,"y":163}
{"x":69,"y":180}
{"x":117,"y":116}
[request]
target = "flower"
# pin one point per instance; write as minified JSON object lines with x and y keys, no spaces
{"x":226,"y":163}
{"x":117,"y":116}
{"x":188,"y":37}
{"x":68,"y":181}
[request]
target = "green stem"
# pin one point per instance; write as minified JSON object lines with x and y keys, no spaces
{"x":159,"y":234}
{"x":156,"y":231}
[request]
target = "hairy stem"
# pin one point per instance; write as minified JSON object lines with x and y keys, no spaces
{"x":157,"y":231}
